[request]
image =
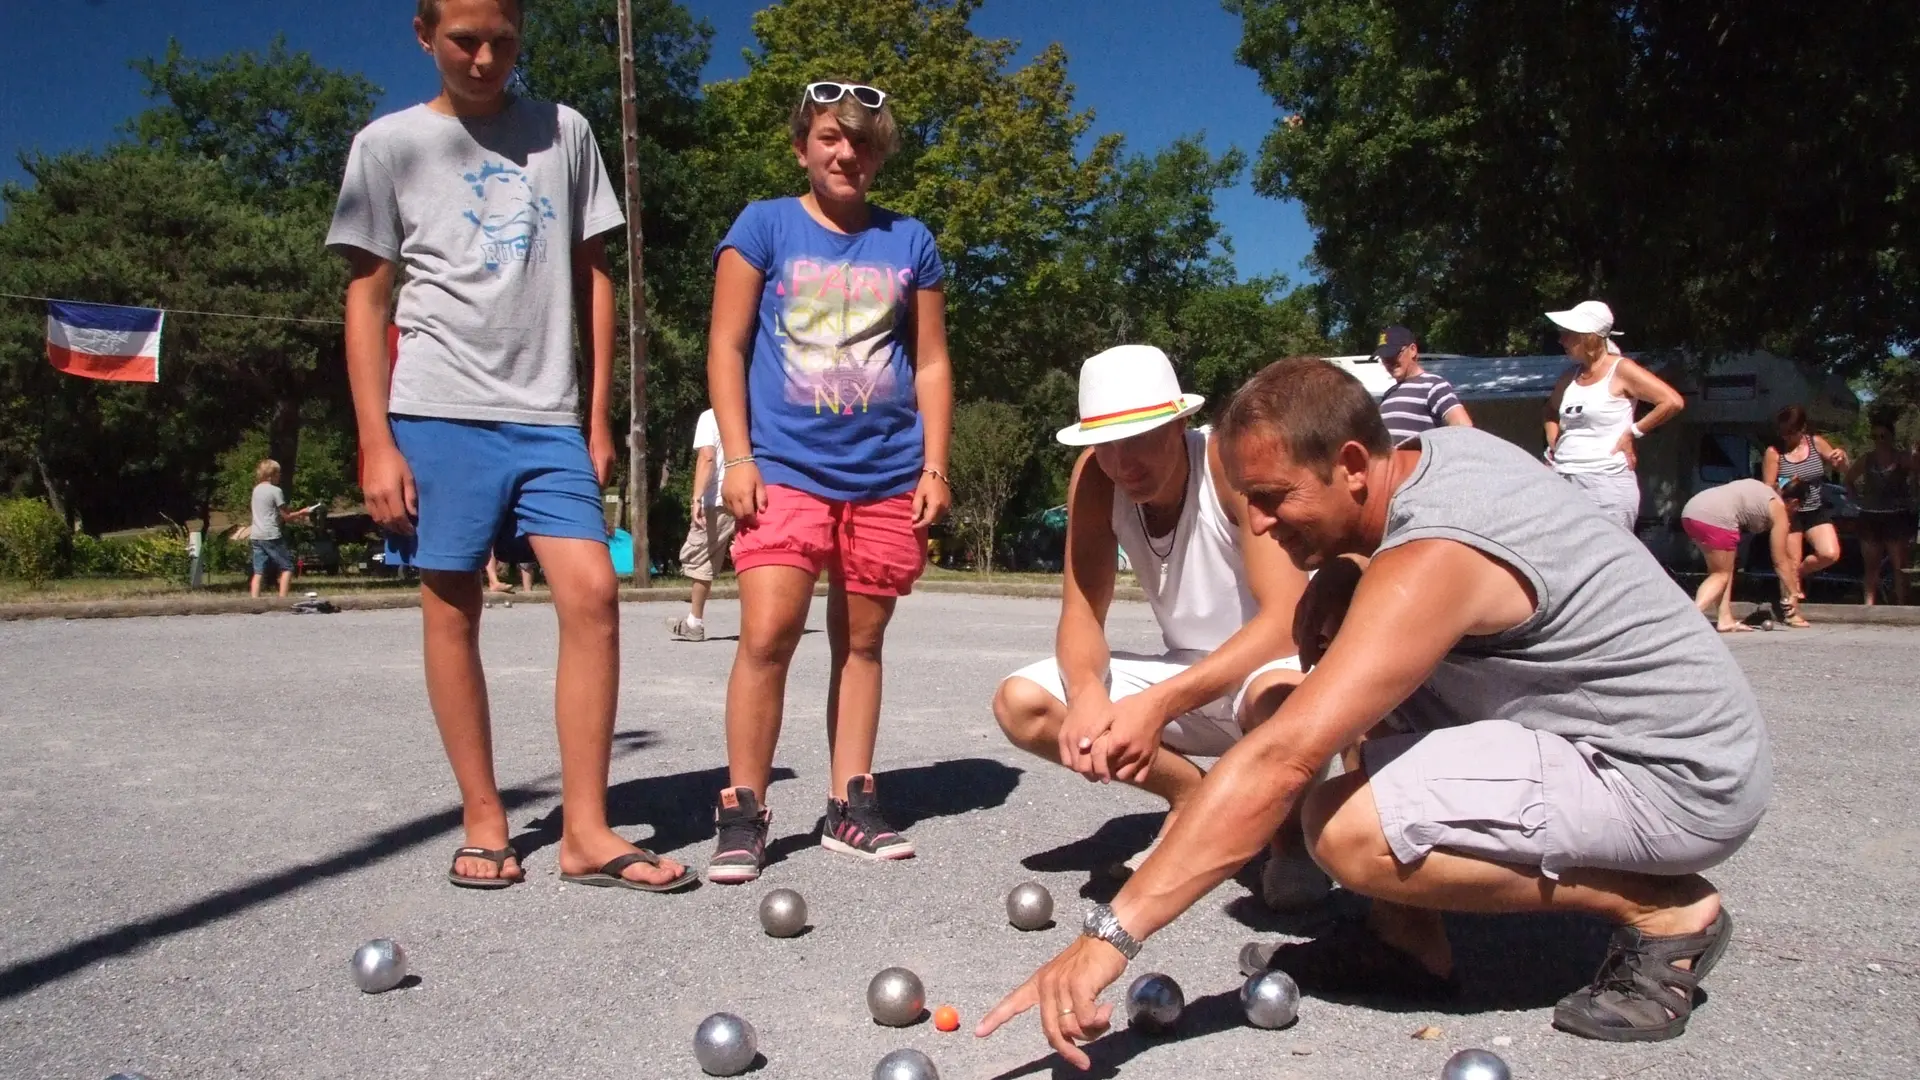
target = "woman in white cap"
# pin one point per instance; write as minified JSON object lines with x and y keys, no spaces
{"x":1590,"y":424}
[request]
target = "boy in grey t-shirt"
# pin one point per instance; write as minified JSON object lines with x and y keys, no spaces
{"x":496,"y":207}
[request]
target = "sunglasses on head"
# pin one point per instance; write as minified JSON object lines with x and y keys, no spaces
{"x":826,"y":93}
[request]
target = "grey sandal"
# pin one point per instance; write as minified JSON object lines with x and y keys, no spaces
{"x":1638,"y":995}
{"x":608,"y":876}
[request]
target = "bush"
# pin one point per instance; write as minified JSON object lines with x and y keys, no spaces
{"x":33,"y":541}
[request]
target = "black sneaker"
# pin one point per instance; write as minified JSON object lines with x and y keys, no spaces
{"x":856,"y":828}
{"x":740,"y":851}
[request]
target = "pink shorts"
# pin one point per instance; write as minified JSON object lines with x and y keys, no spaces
{"x":867,"y":547}
{"x":1711,"y":537}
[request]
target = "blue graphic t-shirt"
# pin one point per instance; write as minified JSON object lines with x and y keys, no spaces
{"x":830,"y":401}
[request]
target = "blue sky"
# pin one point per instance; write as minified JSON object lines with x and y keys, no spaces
{"x":1147,"y":75}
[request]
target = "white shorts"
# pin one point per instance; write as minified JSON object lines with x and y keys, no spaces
{"x":1209,"y":731}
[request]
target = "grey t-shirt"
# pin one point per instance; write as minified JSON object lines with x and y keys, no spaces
{"x":1615,"y":659}
{"x":481,"y":215}
{"x":267,"y":501}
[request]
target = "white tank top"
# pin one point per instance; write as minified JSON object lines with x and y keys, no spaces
{"x":1592,"y":419}
{"x":1198,"y":590}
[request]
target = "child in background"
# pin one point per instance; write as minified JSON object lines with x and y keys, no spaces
{"x":829,"y":376}
{"x":496,"y":207}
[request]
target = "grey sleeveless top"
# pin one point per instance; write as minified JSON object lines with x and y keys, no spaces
{"x":1615,"y":658}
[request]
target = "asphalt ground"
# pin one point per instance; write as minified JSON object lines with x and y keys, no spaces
{"x":201,"y":818}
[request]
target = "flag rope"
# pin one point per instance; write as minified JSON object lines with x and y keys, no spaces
{"x":180,"y":311}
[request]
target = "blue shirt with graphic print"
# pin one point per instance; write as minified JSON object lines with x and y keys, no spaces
{"x":831,"y":407}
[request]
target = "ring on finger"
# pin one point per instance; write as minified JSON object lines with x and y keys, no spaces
{"x":1066,"y":1012}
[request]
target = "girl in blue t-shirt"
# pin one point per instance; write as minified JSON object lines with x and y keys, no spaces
{"x":827,"y":365}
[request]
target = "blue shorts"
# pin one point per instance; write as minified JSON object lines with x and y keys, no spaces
{"x":272,"y":555}
{"x":486,"y":486}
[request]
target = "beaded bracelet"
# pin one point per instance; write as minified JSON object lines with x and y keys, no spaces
{"x":730,"y":463}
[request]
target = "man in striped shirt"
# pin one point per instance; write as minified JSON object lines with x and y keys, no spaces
{"x":1419,"y":400}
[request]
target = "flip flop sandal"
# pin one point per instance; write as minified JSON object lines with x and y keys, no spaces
{"x":608,"y":876}
{"x":1349,"y":961}
{"x":497,"y":856}
{"x":1638,"y":995}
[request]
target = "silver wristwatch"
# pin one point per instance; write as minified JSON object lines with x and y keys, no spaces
{"x":1102,"y":923}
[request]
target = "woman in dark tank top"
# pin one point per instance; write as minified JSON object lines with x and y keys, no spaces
{"x":1802,"y":455}
{"x":1882,"y":483}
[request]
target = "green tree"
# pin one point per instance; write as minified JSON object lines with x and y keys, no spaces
{"x":991,"y":445}
{"x":1727,"y":175}
{"x":278,"y":126}
{"x":140,"y":227}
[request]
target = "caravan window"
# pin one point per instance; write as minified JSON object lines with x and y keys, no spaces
{"x":1724,"y":459}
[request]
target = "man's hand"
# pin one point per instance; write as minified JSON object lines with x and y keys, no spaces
{"x":391,"y":500}
{"x":696,"y":507}
{"x":1134,"y":738}
{"x":1083,"y":734}
{"x":600,"y":449}
{"x":743,"y":492}
{"x":1324,"y":606}
{"x":930,"y":500}
{"x":1064,"y":991}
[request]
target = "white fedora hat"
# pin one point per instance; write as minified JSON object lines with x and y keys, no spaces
{"x":1124,"y":391}
{"x":1586,"y":317}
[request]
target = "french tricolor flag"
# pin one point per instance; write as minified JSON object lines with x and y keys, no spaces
{"x":96,"y":341}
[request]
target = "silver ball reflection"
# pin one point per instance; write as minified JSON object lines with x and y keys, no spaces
{"x":896,"y":997}
{"x":1270,"y":999}
{"x":379,"y":966}
{"x":725,"y":1045}
{"x":906,"y":1065}
{"x":783,"y":913}
{"x":1030,"y":906}
{"x":1154,"y":1003}
{"x":1476,"y":1065}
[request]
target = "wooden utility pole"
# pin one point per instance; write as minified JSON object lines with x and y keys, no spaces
{"x":636,"y":306}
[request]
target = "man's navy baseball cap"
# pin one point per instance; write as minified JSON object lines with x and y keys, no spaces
{"x":1392,"y":340}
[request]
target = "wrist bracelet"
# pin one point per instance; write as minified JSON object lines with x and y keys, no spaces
{"x":731,"y":462}
{"x":1637,"y":433}
{"x":938,"y":475}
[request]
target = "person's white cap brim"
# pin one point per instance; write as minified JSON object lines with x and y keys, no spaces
{"x":1586,"y":317}
{"x":1125,"y":391}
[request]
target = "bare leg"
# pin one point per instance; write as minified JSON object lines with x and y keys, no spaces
{"x":526,"y":577}
{"x":253,"y":587}
{"x":1343,"y":827}
{"x":457,"y":692}
{"x":1031,"y":718}
{"x":773,"y":614}
{"x":856,"y":632}
{"x":1897,"y":555}
{"x":1264,"y":698}
{"x":586,"y":694}
{"x":1796,"y":547}
{"x":1871,"y":552}
{"x":286,"y":581}
{"x":1825,"y":541}
{"x":698,"y":607}
{"x":1716,"y":592}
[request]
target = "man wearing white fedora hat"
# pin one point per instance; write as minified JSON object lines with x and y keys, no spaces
{"x":1150,"y":486}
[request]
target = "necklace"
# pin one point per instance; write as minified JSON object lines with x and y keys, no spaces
{"x":1173,"y":538}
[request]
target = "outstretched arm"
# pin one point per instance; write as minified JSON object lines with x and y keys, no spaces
{"x":1412,"y":606}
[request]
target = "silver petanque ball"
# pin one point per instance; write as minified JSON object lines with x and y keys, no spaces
{"x":725,"y":1045}
{"x":896,"y":997}
{"x":1270,"y":999}
{"x":1154,"y":1003}
{"x":906,"y":1065}
{"x":1475,"y":1065}
{"x":783,"y":913}
{"x":379,"y":966}
{"x":1029,"y":906}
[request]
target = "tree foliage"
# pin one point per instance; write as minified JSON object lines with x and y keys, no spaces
{"x":1727,"y":175}
{"x":991,"y":445}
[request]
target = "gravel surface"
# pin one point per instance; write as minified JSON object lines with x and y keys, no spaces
{"x":201,"y":818}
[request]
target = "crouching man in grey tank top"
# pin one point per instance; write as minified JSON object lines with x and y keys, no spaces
{"x":1581,"y":740}
{"x":1224,"y":603}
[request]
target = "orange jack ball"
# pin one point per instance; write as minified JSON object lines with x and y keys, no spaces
{"x":946,"y":1018}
